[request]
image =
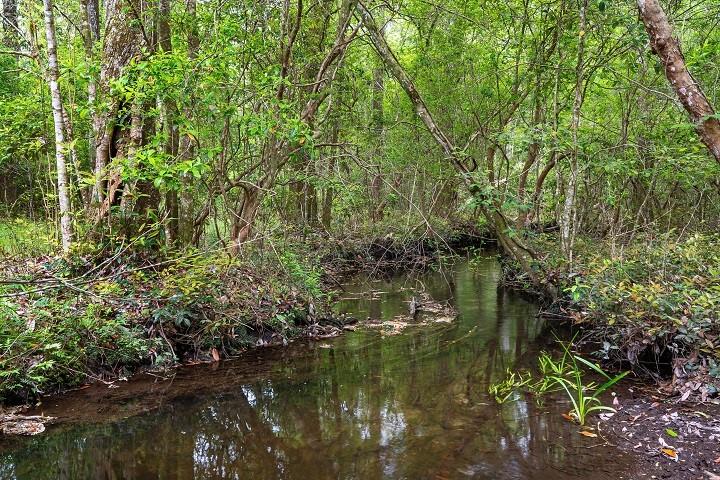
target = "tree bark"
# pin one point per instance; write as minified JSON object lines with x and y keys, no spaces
{"x":123,"y":41}
{"x":66,"y":231}
{"x":378,"y":130}
{"x":168,"y":116}
{"x":90,"y":28}
{"x":10,"y":24}
{"x":187,"y":145}
{"x":568,"y":217}
{"x":688,"y":90}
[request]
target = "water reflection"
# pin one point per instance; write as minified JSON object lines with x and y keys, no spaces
{"x":410,"y":406}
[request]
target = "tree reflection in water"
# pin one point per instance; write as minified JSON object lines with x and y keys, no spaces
{"x":412,"y":405}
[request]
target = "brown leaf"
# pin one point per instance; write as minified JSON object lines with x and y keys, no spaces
{"x":669,"y":452}
{"x":215,"y":354}
{"x":567,"y":417}
{"x":588,"y":434}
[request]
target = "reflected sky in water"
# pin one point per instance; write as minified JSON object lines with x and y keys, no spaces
{"x":362,"y":406}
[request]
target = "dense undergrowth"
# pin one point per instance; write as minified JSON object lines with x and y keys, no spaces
{"x":103,"y":313}
{"x":654,"y":305}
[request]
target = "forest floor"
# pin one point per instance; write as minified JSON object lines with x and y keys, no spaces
{"x":652,"y":306}
{"x":667,"y":438}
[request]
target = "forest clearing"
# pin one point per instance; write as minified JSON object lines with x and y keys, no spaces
{"x":359,"y":239}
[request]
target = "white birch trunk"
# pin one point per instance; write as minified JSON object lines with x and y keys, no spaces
{"x":66,"y":230}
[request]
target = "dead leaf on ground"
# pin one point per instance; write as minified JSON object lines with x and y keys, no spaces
{"x":670,"y":453}
{"x":215,"y":354}
{"x":588,"y":434}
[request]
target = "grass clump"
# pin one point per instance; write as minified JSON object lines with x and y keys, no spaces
{"x":566,"y":374}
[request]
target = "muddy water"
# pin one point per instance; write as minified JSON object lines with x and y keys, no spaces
{"x":366,"y":405}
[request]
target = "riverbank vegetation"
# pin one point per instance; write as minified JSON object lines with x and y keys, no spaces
{"x":160,"y":158}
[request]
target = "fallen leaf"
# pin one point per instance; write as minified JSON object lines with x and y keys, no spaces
{"x":215,"y":354}
{"x":670,"y":453}
{"x":671,"y":432}
{"x":567,"y":417}
{"x":588,"y":434}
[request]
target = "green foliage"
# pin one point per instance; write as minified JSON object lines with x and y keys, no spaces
{"x":25,"y":238}
{"x":665,"y":294}
{"x":52,"y":344}
{"x":301,"y":274}
{"x":502,"y":390}
{"x":585,"y":397}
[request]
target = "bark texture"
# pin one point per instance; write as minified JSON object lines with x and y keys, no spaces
{"x":688,"y":90}
{"x":66,"y":231}
{"x":124,"y":38}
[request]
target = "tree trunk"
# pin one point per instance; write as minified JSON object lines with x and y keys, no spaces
{"x":10,"y":24}
{"x":243,"y":223}
{"x":187,"y":146}
{"x":168,"y":116}
{"x":532,"y":155}
{"x":123,"y":42}
{"x":667,"y":48}
{"x":378,"y":130}
{"x":66,"y":232}
{"x":90,"y":28}
{"x":568,"y":216}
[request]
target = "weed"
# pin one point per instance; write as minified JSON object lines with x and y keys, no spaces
{"x":563,"y":374}
{"x":503,"y":389}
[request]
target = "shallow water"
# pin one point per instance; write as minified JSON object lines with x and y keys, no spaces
{"x":366,"y":405}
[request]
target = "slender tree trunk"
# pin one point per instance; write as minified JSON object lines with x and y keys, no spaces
{"x":378,"y":130}
{"x":187,"y":145}
{"x":532,"y":155}
{"x":90,"y":28}
{"x":568,"y":217}
{"x":169,"y":125}
{"x":688,"y":90}
{"x":66,"y":231}
{"x":329,"y":196}
{"x":10,"y":24}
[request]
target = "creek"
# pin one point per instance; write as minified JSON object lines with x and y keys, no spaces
{"x":366,"y":405}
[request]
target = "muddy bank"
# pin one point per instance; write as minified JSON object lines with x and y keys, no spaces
{"x":668,"y":439}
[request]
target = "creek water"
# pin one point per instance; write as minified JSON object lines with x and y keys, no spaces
{"x":365,"y":405}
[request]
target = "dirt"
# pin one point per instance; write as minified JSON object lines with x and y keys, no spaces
{"x":668,"y":438}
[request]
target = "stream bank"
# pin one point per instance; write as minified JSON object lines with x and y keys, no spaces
{"x":650,"y":307}
{"x":105,"y":313}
